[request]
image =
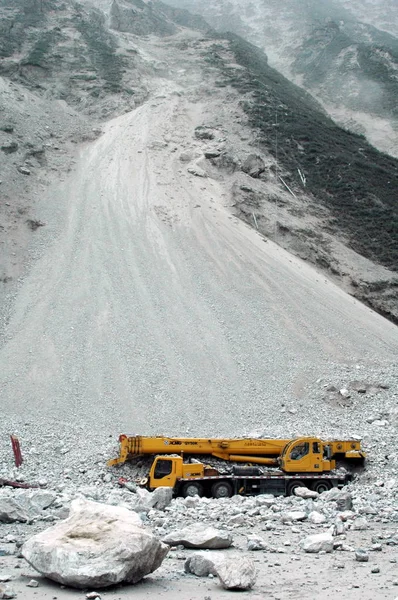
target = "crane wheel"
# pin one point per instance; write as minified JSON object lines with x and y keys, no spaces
{"x":293,"y":485}
{"x":222,"y":489}
{"x":192,"y":488}
{"x":322,"y":485}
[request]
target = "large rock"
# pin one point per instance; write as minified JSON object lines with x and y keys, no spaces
{"x":316,"y":517}
{"x":341,"y":497}
{"x":6,"y":592}
{"x":198,"y":536}
{"x":237,"y":573}
{"x":203,"y":564}
{"x":161,"y":497}
{"x":97,"y":546}
{"x":253,"y":165}
{"x":304,"y":492}
{"x":34,"y":502}
{"x":317,"y":543}
{"x":11,"y":511}
{"x":294,"y":515}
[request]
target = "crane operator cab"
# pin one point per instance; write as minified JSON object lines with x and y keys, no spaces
{"x":306,"y":455}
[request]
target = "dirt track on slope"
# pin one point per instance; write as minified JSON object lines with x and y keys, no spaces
{"x":154,"y":310}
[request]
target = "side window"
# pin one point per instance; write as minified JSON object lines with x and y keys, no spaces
{"x":163,"y":468}
{"x":299,"y":451}
{"x":315,"y":447}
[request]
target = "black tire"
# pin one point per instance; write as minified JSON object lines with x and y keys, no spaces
{"x":222,"y":489}
{"x":292,"y":485}
{"x":192,"y":488}
{"x":322,"y":485}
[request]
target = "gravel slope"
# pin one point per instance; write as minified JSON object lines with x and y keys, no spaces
{"x":152,"y":309}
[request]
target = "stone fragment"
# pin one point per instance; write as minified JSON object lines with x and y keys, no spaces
{"x":161,"y":497}
{"x":197,"y":171}
{"x":211,"y":152}
{"x":192,"y":501}
{"x":237,"y":573}
{"x":316,"y":517}
{"x":255,"y":542}
{"x":294,"y":515}
{"x":304,"y":492}
{"x":360,"y":524}
{"x":204,"y":133}
{"x":9,"y":147}
{"x":199,"y":536}
{"x":375,"y":570}
{"x":202,"y":564}
{"x":322,"y":542}
{"x":11,"y":511}
{"x":97,"y":546}
{"x":361,"y":555}
{"x":341,"y":497}
{"x":6,"y":592}
{"x":24,"y":170}
{"x":236,"y":520}
{"x":253,"y":166}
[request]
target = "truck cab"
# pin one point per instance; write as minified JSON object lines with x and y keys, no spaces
{"x":166,"y":470}
{"x":307,"y":455}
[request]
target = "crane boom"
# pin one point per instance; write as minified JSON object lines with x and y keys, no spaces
{"x":261,"y":451}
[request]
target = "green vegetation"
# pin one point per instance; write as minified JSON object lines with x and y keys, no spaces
{"x":352,"y":179}
{"x":38,"y":54}
{"x":101,"y":47}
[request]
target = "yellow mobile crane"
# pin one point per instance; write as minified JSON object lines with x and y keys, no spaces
{"x":306,"y":461}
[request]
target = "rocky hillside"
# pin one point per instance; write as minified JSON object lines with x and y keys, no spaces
{"x":347,"y":63}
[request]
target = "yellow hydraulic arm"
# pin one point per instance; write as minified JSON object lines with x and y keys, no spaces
{"x":259,"y":451}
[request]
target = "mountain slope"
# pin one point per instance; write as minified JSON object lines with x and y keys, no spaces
{"x":320,"y":192}
{"x":347,"y":64}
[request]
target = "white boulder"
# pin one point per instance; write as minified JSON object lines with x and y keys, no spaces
{"x":304,"y":492}
{"x":199,"y":536}
{"x":316,"y":517}
{"x":97,"y":546}
{"x":317,"y":543}
{"x":237,"y":573}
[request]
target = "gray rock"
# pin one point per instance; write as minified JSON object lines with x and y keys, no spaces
{"x":202,"y":564}
{"x":199,"y":536}
{"x":6,"y":592}
{"x":11,"y":511}
{"x":294,"y":515}
{"x":9,"y":147}
{"x":24,"y":170}
{"x":204,"y":133}
{"x":253,"y":165}
{"x":360,"y":524}
{"x":375,"y":570}
{"x":361,"y":555}
{"x":197,"y":171}
{"x":322,"y":542}
{"x":161,"y":497}
{"x":255,"y":542}
{"x":237,"y":573}
{"x":211,"y":152}
{"x":97,"y":546}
